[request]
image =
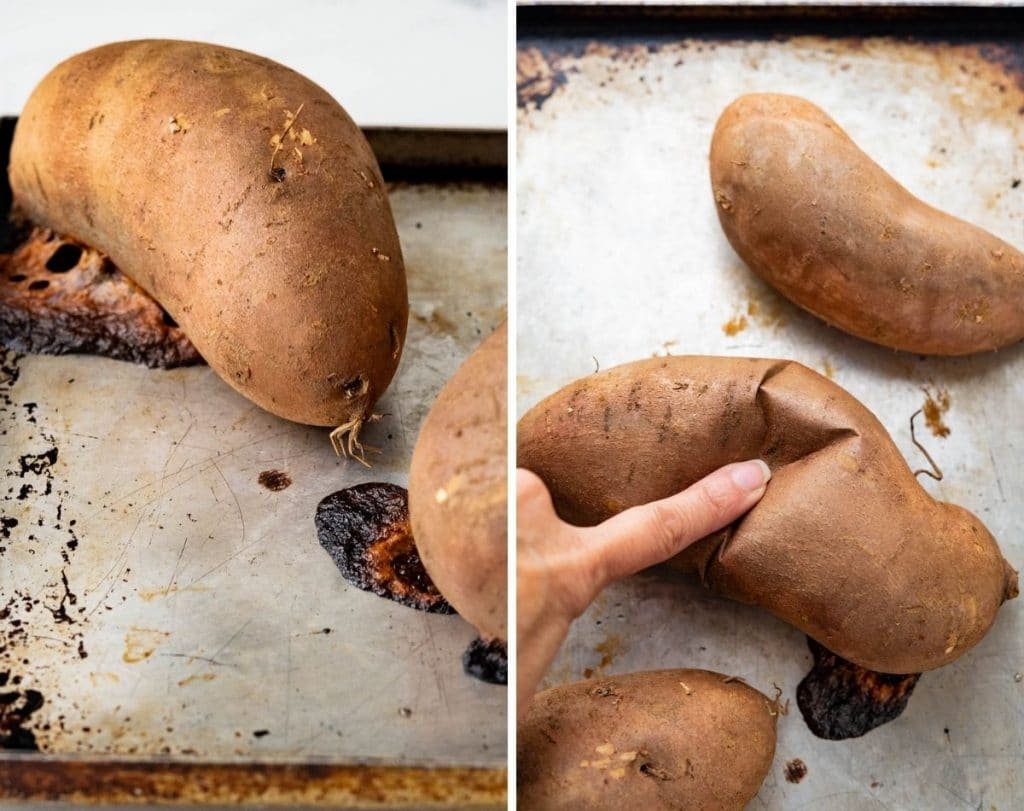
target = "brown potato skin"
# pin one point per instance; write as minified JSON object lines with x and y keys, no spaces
{"x":845,"y":544}
{"x":817,"y":219}
{"x":293,"y":291}
{"x":458,"y":488}
{"x":705,"y":746}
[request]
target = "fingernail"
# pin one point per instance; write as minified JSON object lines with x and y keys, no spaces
{"x":752,"y":475}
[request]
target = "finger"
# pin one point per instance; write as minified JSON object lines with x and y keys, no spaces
{"x":531,"y":492}
{"x":652,"y":533}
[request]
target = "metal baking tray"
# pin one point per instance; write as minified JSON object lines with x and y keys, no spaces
{"x":620,"y":256}
{"x":190,"y":640}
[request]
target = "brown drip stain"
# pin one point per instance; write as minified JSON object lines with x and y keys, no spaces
{"x":735,"y":325}
{"x":935,"y":406}
{"x":436,"y":323}
{"x":141,"y":643}
{"x":609,"y":648}
{"x":755,"y":312}
{"x":796,"y":770}
{"x":275,"y":480}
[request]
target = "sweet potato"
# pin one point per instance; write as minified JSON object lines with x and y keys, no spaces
{"x":458,"y":501}
{"x":845,"y":544}
{"x":821,"y":222}
{"x":239,"y":195}
{"x":666,"y":739}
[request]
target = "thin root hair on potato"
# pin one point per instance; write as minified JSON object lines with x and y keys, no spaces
{"x":280,"y":142}
{"x":347,"y":434}
{"x":936,"y":471}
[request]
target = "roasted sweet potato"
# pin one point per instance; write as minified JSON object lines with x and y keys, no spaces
{"x":666,"y":739}
{"x":458,"y":500}
{"x":239,"y":195}
{"x":845,"y":544}
{"x":817,"y":219}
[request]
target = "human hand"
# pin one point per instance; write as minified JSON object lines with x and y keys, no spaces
{"x":561,"y":568}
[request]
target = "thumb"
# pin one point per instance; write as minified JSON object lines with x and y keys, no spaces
{"x":652,"y":533}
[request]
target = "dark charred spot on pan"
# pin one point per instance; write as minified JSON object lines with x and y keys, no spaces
{"x":64,"y":258}
{"x":365,"y":529}
{"x":795,"y":770}
{"x":841,"y":700}
{"x":275,"y":480}
{"x":486,"y":660}
{"x":538,"y":76}
{"x":16,"y":710}
{"x":59,"y":297}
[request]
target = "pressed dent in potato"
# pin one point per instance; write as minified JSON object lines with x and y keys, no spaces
{"x":820,"y":221}
{"x":242,"y":197}
{"x":845,"y":544}
{"x":458,"y":501}
{"x":667,"y":739}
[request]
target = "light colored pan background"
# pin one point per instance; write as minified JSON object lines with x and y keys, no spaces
{"x":620,"y":257}
{"x":428,"y":63}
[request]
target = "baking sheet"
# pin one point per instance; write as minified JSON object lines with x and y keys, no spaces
{"x":620,"y":257}
{"x":200,"y":620}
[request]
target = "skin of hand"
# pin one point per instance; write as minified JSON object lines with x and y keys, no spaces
{"x":561,"y":568}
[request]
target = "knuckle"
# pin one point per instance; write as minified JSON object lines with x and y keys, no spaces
{"x":719,"y":496}
{"x":671,"y":526}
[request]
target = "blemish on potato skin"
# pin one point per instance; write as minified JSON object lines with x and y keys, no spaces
{"x":179,"y":123}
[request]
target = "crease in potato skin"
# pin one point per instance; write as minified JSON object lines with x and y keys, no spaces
{"x":820,"y":221}
{"x":666,"y":739}
{"x":845,"y":544}
{"x":458,"y":501}
{"x":159,"y":153}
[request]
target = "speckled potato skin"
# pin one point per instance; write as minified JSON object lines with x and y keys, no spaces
{"x":817,"y":219}
{"x":845,"y":544}
{"x":458,"y":481}
{"x":159,"y":153}
{"x":686,"y":740}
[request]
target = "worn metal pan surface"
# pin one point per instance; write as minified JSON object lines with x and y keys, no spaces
{"x":174,"y":623}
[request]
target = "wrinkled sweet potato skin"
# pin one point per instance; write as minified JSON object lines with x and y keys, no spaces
{"x":824,"y":224}
{"x":458,"y":500}
{"x":666,"y":739}
{"x":283,"y":269}
{"x":845,"y":544}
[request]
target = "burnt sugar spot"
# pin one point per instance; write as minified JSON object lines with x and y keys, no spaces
{"x":275,"y":480}
{"x":486,"y":660}
{"x":72,"y":299}
{"x":795,"y":770}
{"x":16,"y":710}
{"x":841,"y":700}
{"x":538,"y":77}
{"x":37,"y":463}
{"x":365,"y":529}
